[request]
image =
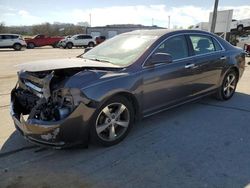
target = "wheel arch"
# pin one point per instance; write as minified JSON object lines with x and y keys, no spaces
{"x":17,"y":43}
{"x":17,"y":49}
{"x":234,"y":68}
{"x":131,"y":98}
{"x":70,"y":42}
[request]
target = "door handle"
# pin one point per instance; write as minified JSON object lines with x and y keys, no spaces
{"x":189,"y":66}
{"x":223,"y":58}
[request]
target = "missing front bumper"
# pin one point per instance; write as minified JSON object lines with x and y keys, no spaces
{"x":73,"y":129}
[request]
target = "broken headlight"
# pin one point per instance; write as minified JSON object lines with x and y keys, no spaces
{"x":64,"y":103}
{"x":67,"y":100}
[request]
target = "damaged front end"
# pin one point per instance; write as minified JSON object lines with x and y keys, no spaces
{"x":46,"y":112}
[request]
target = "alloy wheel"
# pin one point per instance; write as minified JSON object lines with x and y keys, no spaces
{"x":229,"y":85}
{"x":112,"y":122}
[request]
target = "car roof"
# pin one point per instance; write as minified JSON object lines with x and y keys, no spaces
{"x":155,"y":32}
{"x":82,"y":34}
{"x":161,"y":32}
{"x":9,"y":34}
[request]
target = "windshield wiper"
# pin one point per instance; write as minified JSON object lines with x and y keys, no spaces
{"x":100,"y":60}
{"x":80,"y":56}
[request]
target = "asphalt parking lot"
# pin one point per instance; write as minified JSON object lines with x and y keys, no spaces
{"x":201,"y":144}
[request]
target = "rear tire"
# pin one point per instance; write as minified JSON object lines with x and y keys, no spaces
{"x":91,"y":44}
{"x":31,"y":45}
{"x":228,"y":87}
{"x":240,"y":28}
{"x":112,"y":122}
{"x":17,"y":47}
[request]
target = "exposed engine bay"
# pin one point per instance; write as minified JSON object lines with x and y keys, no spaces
{"x":49,"y":104}
{"x":42,"y":95}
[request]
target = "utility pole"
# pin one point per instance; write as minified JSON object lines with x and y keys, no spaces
{"x":168,"y":22}
{"x":213,"y":24}
{"x":90,"y":19}
{"x":152,"y":21}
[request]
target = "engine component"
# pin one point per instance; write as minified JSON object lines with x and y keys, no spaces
{"x":61,"y":113}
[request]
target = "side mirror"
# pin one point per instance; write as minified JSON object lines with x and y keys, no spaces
{"x":159,"y":58}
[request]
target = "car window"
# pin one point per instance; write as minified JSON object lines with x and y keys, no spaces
{"x":14,"y":36}
{"x":176,"y":47}
{"x":87,"y":37}
{"x":80,"y":37}
{"x":217,"y":45}
{"x":6,"y":36}
{"x":1,"y":36}
{"x":202,"y":44}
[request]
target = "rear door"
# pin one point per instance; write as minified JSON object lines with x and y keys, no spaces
{"x":7,"y":41}
{"x":40,"y":40}
{"x":209,"y":59}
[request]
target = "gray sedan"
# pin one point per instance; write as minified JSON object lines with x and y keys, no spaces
{"x":99,"y":95}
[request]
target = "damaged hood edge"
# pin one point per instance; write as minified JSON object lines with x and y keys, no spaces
{"x":55,"y":64}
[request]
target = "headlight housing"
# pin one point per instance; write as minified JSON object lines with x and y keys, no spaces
{"x":66,"y":100}
{"x":70,"y":97}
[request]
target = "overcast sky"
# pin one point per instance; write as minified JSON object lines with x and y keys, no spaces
{"x":182,"y":12}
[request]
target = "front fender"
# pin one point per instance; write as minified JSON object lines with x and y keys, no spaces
{"x":131,"y":84}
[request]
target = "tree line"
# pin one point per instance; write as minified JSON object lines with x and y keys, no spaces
{"x":56,"y":29}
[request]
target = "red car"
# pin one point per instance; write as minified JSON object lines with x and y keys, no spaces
{"x":247,"y":49}
{"x":100,"y":39}
{"x":42,"y":40}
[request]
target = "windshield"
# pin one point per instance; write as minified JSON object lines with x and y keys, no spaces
{"x":121,"y":50}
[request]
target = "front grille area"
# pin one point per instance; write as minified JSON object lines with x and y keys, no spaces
{"x":33,"y":86}
{"x":36,"y":85}
{"x":26,"y":99}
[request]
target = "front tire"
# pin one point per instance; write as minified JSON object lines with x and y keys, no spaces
{"x":112,"y":122}
{"x":31,"y":45}
{"x":228,"y":87}
{"x":69,"y":45}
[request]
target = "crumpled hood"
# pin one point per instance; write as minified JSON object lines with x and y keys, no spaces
{"x":55,"y":64}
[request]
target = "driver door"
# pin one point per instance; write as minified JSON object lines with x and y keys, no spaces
{"x":40,"y":40}
{"x":165,"y":84}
